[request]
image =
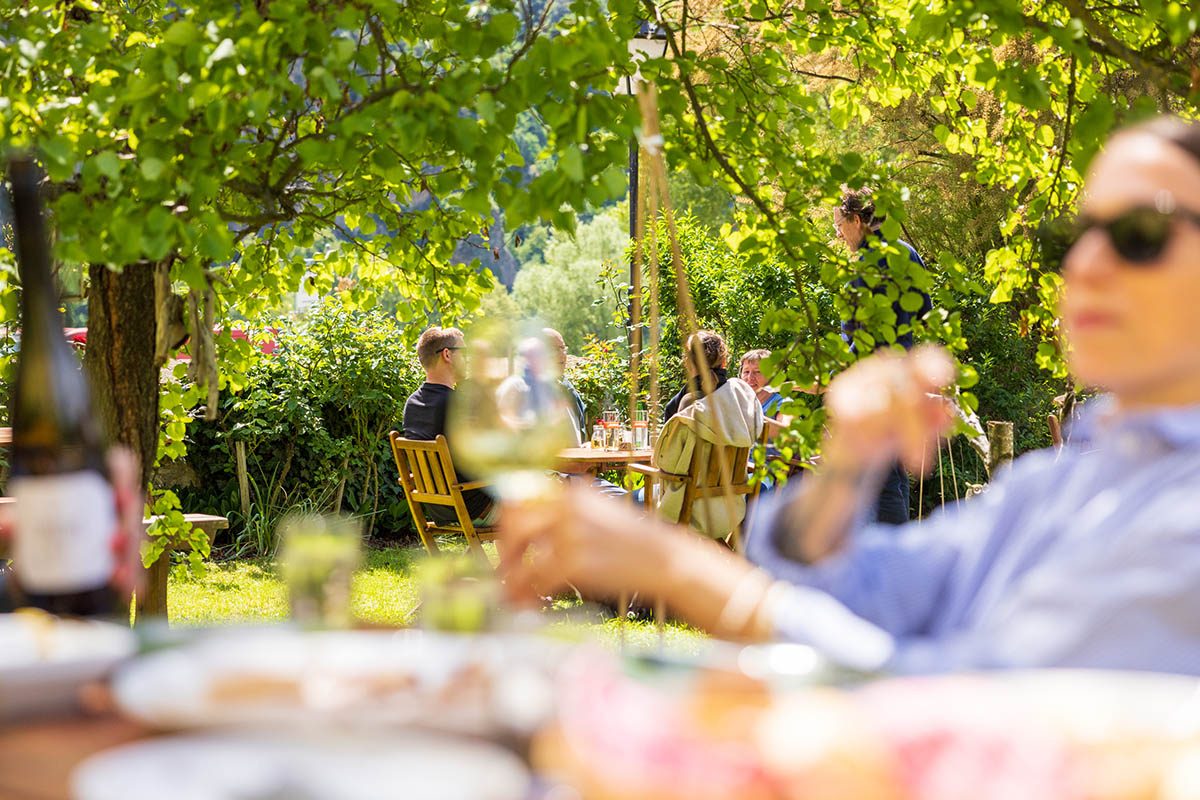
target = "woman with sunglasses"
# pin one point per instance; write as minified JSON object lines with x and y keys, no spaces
{"x":1083,"y":559}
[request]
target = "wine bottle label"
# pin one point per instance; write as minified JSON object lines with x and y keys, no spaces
{"x":64,"y":529}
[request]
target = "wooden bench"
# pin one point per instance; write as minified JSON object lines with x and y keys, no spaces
{"x":152,"y":599}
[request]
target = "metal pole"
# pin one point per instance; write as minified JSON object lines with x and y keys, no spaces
{"x":635,"y":282}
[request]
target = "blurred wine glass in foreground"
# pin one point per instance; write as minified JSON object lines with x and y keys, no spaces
{"x":319,"y":556}
{"x":509,"y":418}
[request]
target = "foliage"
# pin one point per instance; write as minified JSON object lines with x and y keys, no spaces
{"x":223,"y":138}
{"x":314,"y":418}
{"x":1003,"y":103}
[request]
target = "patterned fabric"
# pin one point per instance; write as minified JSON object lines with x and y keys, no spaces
{"x":1087,"y":558}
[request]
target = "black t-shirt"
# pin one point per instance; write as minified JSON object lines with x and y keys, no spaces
{"x":425,"y":420}
{"x":720,"y":377}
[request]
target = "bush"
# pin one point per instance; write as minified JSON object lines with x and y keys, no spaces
{"x":314,"y":417}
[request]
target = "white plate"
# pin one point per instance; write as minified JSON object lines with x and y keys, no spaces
{"x":248,"y":767}
{"x":44,"y":660}
{"x":285,"y":678}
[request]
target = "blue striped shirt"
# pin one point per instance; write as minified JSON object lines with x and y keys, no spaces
{"x":1085,"y":558}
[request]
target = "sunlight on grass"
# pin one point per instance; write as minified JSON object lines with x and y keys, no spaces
{"x":385,"y":593}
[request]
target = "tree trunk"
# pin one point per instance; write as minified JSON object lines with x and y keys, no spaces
{"x":119,"y":358}
{"x":119,"y":361}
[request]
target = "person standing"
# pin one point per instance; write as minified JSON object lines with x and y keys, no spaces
{"x":860,"y":228}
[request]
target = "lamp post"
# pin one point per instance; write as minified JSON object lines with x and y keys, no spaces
{"x":650,"y":42}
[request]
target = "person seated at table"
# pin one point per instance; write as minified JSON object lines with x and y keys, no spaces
{"x":1076,"y":559}
{"x":694,"y":385}
{"x":509,"y":392}
{"x":514,"y":385}
{"x":440,"y":352}
{"x":748,"y":370}
{"x":730,"y":415}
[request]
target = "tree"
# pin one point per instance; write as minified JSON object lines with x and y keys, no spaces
{"x":1012,"y":99}
{"x":564,"y":289}
{"x":205,"y":145}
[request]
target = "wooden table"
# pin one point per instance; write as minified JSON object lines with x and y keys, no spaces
{"x":595,"y":460}
{"x":37,"y":758}
{"x":585,"y":460}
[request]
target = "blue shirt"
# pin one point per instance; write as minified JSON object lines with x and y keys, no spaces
{"x":903,"y":317}
{"x":770,"y":406}
{"x":1080,"y":559}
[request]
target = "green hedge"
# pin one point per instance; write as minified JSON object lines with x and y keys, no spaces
{"x":314,"y":416}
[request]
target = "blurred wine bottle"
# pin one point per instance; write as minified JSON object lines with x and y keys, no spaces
{"x":65,"y":515}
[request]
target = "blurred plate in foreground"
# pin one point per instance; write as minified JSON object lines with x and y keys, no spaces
{"x":376,"y":679}
{"x":44,"y":660}
{"x":249,"y":767}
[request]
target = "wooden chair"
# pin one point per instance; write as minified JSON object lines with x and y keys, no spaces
{"x":703,"y":478}
{"x":428,"y":477}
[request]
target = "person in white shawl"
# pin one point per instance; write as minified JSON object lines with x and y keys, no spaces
{"x":730,"y":415}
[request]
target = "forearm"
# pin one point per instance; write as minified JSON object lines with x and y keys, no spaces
{"x":706,"y":584}
{"x":817,"y":522}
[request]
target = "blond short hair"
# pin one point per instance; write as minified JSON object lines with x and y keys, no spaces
{"x":434,"y":340}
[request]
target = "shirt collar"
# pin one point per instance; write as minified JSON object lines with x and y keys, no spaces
{"x":1176,"y":427}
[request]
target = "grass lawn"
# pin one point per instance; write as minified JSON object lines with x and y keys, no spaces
{"x":384,"y":592}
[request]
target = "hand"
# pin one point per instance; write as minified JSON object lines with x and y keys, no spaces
{"x":888,"y":406}
{"x":124,"y":473}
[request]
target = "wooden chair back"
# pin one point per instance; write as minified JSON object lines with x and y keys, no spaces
{"x":711,"y":465}
{"x":428,"y":477}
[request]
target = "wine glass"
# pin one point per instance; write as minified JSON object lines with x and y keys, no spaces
{"x":318,"y":558}
{"x":509,"y":418}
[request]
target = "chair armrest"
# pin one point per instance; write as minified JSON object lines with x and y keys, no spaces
{"x":463,"y":487}
{"x":655,"y":472}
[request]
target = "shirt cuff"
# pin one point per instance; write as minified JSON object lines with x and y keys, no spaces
{"x":809,"y":616}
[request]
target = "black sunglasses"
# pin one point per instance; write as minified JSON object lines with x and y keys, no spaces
{"x":1139,"y":235}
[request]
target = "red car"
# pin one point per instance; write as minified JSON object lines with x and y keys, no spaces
{"x":78,"y":337}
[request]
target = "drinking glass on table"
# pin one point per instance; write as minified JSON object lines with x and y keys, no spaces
{"x":318,"y":558}
{"x":612,"y":424}
{"x":598,"y":436}
{"x":641,"y":429}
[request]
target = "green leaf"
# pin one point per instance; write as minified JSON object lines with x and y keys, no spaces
{"x":108,"y":164}
{"x":911,"y":302}
{"x":181,"y":33}
{"x":572,"y":163}
{"x":152,"y":168}
{"x":485,"y":107}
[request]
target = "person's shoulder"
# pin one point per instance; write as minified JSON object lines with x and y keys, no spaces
{"x":912,"y":251}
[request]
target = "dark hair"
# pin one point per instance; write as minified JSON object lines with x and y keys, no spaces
{"x":1182,"y":133}
{"x":859,"y":203}
{"x":715,"y":350}
{"x":434,"y":341}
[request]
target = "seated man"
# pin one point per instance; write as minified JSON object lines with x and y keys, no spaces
{"x":512,"y":389}
{"x":515,"y":385}
{"x":440,"y":352}
{"x":1084,"y":558}
{"x":730,"y":415}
